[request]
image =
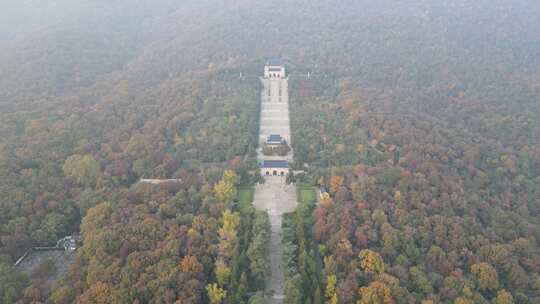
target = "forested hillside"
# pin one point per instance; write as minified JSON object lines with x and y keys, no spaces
{"x":421,"y":117}
{"x":444,"y":212}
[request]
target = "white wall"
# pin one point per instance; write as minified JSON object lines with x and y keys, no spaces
{"x":277,"y":74}
{"x":270,"y":171}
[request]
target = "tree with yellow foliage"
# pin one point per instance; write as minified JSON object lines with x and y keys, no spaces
{"x":486,"y":275}
{"x":228,"y":232}
{"x":216,"y":294}
{"x":333,"y":299}
{"x":225,"y":192}
{"x":231,"y":220}
{"x":503,"y":297}
{"x":225,"y":189}
{"x":223,"y":273}
{"x":330,"y":292}
{"x":230,"y":177}
{"x":83,"y":169}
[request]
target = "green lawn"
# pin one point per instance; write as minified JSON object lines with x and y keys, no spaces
{"x":306,"y":194}
{"x":245,"y":195}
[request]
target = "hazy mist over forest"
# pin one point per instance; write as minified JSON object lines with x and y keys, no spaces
{"x":415,"y":127}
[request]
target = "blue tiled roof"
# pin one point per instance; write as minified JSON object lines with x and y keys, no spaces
{"x":274,"y":61}
{"x":274,"y":137}
{"x":275,"y":164}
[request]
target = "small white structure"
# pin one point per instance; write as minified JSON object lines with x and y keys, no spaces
{"x":69,"y":243}
{"x":274,"y":69}
{"x":160,"y":181}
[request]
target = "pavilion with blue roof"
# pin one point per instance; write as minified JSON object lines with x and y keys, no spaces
{"x":274,"y":69}
{"x":274,"y":139}
{"x":274,"y":167}
{"x":274,"y":62}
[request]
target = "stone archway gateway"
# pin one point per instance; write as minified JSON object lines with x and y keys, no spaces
{"x":275,"y":167}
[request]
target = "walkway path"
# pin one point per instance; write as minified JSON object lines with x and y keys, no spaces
{"x":275,"y":196}
{"x":275,"y":113}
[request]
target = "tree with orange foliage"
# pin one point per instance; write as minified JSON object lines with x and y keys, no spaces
{"x":397,"y":196}
{"x":462,"y":300}
{"x":371,"y":261}
{"x":326,"y":200}
{"x":375,"y":293}
{"x":190,"y":264}
{"x":99,"y":293}
{"x":335,"y":183}
{"x":503,"y":297}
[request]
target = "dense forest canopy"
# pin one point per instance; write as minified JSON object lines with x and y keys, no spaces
{"x":421,"y":117}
